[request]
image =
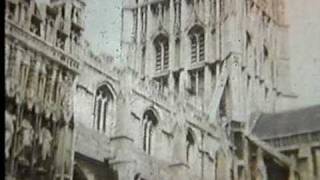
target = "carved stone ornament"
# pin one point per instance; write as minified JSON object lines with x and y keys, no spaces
{"x":31,"y":90}
{"x":9,"y":119}
{"x":10,"y":88}
{"x":67,"y":108}
{"x":67,"y":101}
{"x":19,"y":95}
{"x":45,"y":141}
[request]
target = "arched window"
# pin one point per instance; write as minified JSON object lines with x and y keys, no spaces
{"x":103,"y":108}
{"x":161,"y":45}
{"x":197,"y":41}
{"x":149,"y":123}
{"x":190,"y":144}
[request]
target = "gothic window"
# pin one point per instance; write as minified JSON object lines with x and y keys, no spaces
{"x":75,"y":36}
{"x":161,"y":45}
{"x":154,"y":9}
{"x":266,"y":91}
{"x":63,"y":12}
{"x":190,"y":144}
{"x":225,"y":100}
{"x":177,"y":12}
{"x":61,"y":40}
{"x":213,"y":71}
{"x":144,"y":20}
{"x":149,"y":123}
{"x":75,"y":15}
{"x":135,"y":22}
{"x":11,"y":10}
{"x":197,"y":82}
{"x":35,"y":26}
{"x":103,"y":108}
{"x":176,"y":78}
{"x":163,"y":82}
{"x":248,"y":40}
{"x":197,"y":41}
{"x":265,"y":53}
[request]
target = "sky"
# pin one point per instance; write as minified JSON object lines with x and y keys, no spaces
{"x":304,"y":50}
{"x":103,"y":27}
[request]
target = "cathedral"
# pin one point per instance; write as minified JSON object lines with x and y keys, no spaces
{"x":198,"y":94}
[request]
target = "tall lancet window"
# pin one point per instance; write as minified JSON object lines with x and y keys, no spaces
{"x":190,"y":145}
{"x":149,"y":123}
{"x":197,"y":44}
{"x":103,"y":109}
{"x":161,"y":44}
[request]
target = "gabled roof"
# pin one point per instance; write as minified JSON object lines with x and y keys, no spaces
{"x":294,"y":122}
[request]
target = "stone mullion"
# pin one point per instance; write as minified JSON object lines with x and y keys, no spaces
{"x":32,"y":85}
{"x":15,"y":145}
{"x":144,"y":137}
{"x":24,"y":73}
{"x":60,"y":90}
{"x":208,"y":85}
{"x":198,"y":47}
{"x":96,"y":110}
{"x":52,"y":84}
{"x":149,"y":136}
{"x":247,"y":159}
{"x":42,"y":84}
{"x":17,"y":74}
{"x":162,"y":55}
{"x":14,"y":67}
{"x":109,"y":113}
{"x":7,"y":57}
{"x":102,"y":112}
{"x":218,"y":30}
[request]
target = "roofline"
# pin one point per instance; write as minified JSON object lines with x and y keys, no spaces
{"x":294,"y":110}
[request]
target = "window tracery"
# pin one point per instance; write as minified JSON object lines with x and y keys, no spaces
{"x":103,"y":108}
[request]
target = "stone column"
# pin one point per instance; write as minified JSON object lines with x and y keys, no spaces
{"x":25,"y":68}
{"x":172,"y":44}
{"x":207,"y":87}
{"x":293,"y":166}
{"x":307,"y":168}
{"x":149,"y":58}
{"x":52,"y":83}
{"x":235,"y":84}
{"x":218,"y":30}
{"x":247,"y":159}
{"x":7,"y":56}
{"x":122,"y":139}
{"x":102,"y":114}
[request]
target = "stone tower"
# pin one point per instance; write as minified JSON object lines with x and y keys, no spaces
{"x":186,"y":44}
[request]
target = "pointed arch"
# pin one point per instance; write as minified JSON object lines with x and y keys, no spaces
{"x":150,"y":121}
{"x":161,"y":46}
{"x":104,"y":107}
{"x":197,"y":43}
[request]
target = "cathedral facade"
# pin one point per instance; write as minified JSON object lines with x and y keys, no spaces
{"x":183,"y":102}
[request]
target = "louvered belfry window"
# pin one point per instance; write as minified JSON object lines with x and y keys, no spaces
{"x":162,"y":53}
{"x":197,"y":44}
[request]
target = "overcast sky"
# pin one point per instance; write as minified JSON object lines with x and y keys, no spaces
{"x":304,"y":49}
{"x":103,"y":24}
